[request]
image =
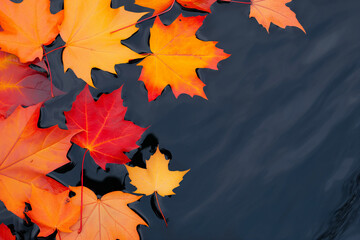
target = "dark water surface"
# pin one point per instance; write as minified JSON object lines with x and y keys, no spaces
{"x":274,"y":153}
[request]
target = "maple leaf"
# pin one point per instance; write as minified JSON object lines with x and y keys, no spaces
{"x":27,"y":26}
{"x":273,"y":11}
{"x":104,"y":133}
{"x":47,"y":183}
{"x":176,"y":54}
{"x":161,"y":5}
{"x":27,"y":153}
{"x":87,"y":30}
{"x":21,"y":85}
{"x":107,"y":218}
{"x":203,"y":5}
{"x":156,"y":177}
{"x":5,"y":233}
{"x":52,"y":211}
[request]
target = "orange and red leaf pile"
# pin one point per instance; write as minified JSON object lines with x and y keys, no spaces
{"x":93,"y":32}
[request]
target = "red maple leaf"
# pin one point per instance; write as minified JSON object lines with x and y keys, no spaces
{"x":5,"y":233}
{"x":105,"y":132}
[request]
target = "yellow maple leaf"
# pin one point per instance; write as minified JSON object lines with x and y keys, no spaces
{"x":88,"y":30}
{"x":156,"y":177}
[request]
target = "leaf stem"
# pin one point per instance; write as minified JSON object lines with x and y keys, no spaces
{"x":48,"y":63}
{"x":157,"y":200}
{"x":82,"y":191}
{"x":54,"y":50}
{"x":167,"y":10}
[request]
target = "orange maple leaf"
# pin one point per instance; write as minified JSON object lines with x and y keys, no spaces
{"x":27,"y":26}
{"x":47,"y":183}
{"x":107,"y":218}
{"x":87,"y":30}
{"x":5,"y":233}
{"x":176,"y":54}
{"x":27,"y":153}
{"x":21,"y":85}
{"x":161,"y":5}
{"x":273,"y":11}
{"x":52,"y":211}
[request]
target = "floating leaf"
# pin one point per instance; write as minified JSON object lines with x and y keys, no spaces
{"x":108,"y":218}
{"x":52,"y":211}
{"x":104,"y":133}
{"x":156,"y":177}
{"x":87,"y":30}
{"x":176,"y":54}
{"x":273,"y":11}
{"x":27,"y":27}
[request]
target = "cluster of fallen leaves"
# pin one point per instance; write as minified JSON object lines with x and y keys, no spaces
{"x":92,"y":31}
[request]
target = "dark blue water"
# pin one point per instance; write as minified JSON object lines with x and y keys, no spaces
{"x":274,"y":153}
